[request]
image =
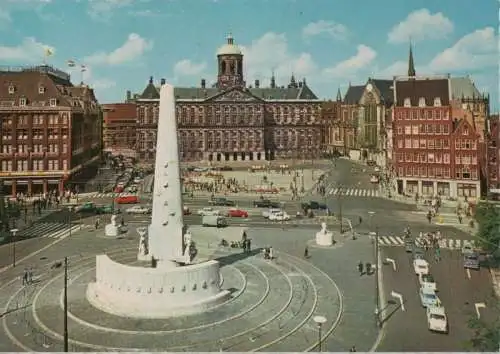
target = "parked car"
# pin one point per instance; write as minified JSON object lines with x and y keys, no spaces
{"x":409,"y":245}
{"x":267,"y":213}
{"x":428,"y":298}
{"x":418,"y":253}
{"x":421,"y":266}
{"x":471,"y":261}
{"x":237,"y":213}
{"x":374,"y":179}
{"x":138,"y":209}
{"x":467,"y":248}
{"x":221,"y":202}
{"x":281,"y":216}
{"x":208,"y":211}
{"x":313,"y":205}
{"x":266,"y":203}
{"x":88,"y":207}
{"x":427,"y":281}
{"x":437,"y":320}
{"x":127,"y":199}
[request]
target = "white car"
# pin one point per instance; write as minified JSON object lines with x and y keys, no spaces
{"x":377,"y":169}
{"x":467,"y":248}
{"x":421,"y":266}
{"x":208,"y":211}
{"x":281,"y":216}
{"x":267,"y":213}
{"x":427,"y":281}
{"x":138,"y":209}
{"x":436,"y":319}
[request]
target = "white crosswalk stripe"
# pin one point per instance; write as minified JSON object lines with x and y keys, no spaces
{"x":446,"y":243}
{"x":97,"y":195}
{"x":52,"y":230}
{"x":354,"y":192}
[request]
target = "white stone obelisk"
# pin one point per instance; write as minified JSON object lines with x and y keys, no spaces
{"x":166,"y":230}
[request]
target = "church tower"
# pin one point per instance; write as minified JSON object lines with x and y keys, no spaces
{"x":411,"y":63}
{"x":230,"y":62}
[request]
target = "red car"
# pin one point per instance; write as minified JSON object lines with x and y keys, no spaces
{"x":237,"y":213}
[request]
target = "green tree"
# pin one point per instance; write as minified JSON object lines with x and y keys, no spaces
{"x":486,"y":334}
{"x":488,"y":218}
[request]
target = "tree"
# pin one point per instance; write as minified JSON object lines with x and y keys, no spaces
{"x":486,"y":335}
{"x":488,"y":218}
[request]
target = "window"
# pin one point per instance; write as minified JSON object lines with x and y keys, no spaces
{"x":439,"y":158}
{"x":414,"y":129}
{"x":446,"y":158}
{"x":468,"y":144}
{"x":421,"y":102}
{"x":465,"y":131}
{"x":12,"y":89}
{"x":400,"y":171}
{"x":400,"y":130}
{"x":439,"y":172}
{"x":430,"y":144}
{"x":474,"y":160}
{"x":423,"y":157}
{"x":407,"y":130}
{"x":64,"y":148}
{"x":407,"y":102}
{"x":408,"y":157}
{"x":458,"y":159}
{"x":41,"y":90}
{"x":400,"y":157}
{"x":65,"y":165}
{"x":430,"y":157}
{"x":22,"y":102}
{"x":423,"y":143}
{"x":400,"y":143}
{"x":457,"y":144}
{"x":446,"y":143}
{"x":415,"y":143}
{"x":437,"y":102}
{"x":408,"y":143}
{"x":53,"y":102}
{"x":37,"y":165}
{"x":415,"y":157}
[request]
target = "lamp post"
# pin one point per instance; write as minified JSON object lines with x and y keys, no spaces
{"x":376,"y":267}
{"x":14,"y":231}
{"x":339,"y":201}
{"x":319,"y":320}
{"x":65,"y":329}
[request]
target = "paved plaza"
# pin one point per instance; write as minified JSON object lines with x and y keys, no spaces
{"x":271,"y":306}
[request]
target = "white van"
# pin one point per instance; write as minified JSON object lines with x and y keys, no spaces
{"x":214,"y":221}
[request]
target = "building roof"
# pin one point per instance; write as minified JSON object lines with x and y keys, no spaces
{"x":463,"y":87}
{"x":429,"y":89}
{"x":119,"y":111}
{"x":302,"y":92}
{"x":385,"y":89}
{"x":353,"y":94}
{"x":27,"y":82}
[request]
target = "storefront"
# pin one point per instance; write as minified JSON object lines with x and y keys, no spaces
{"x":37,"y":183}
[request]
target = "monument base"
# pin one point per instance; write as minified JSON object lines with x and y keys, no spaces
{"x":324,"y":238}
{"x":111,"y":230}
{"x":144,"y":257}
{"x":138,"y":292}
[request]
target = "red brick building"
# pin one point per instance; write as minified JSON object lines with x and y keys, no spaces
{"x":493,"y":156}
{"x":435,"y":154}
{"x":119,"y":128}
{"x":50,"y":131}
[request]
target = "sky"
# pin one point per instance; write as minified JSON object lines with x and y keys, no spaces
{"x":331,"y":43}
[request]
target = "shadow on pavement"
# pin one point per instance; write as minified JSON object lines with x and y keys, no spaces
{"x":233,"y":258}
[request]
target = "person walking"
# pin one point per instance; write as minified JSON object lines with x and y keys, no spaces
{"x":360,"y":268}
{"x":306,"y":252}
{"x":25,"y":277}
{"x":30,"y":276}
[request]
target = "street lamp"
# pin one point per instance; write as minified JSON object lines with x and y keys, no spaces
{"x":319,"y":320}
{"x":339,"y":201}
{"x":376,"y":268}
{"x":65,"y":324}
{"x":14,"y":231}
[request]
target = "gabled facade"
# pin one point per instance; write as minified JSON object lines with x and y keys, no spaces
{"x":232,"y":120}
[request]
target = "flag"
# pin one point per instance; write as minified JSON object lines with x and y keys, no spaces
{"x":48,"y":52}
{"x":71,"y":63}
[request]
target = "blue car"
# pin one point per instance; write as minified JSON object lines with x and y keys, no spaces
{"x":428,"y":298}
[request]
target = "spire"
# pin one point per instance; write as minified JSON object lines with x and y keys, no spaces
{"x":273,"y":80}
{"x":339,"y":95}
{"x":230,"y":39}
{"x":411,"y":63}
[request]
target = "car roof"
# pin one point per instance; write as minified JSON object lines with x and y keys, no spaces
{"x":428,"y":291}
{"x":421,"y":262}
{"x":437,"y":310}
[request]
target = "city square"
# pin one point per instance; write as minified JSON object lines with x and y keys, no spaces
{"x":250,"y":198}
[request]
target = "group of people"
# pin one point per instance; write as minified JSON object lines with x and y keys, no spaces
{"x":430,"y":239}
{"x":28,"y":276}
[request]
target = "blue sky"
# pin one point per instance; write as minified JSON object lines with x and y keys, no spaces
{"x":330,"y":42}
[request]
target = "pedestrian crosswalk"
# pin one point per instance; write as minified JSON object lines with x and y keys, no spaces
{"x":354,"y":192}
{"x":98,"y":195}
{"x":445,"y":243}
{"x":52,"y":230}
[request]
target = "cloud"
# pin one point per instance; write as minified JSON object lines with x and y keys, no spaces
{"x":333,"y":29}
{"x":271,"y":53}
{"x":186,"y":67}
{"x":349,"y":67}
{"x":145,"y":13}
{"x":102,"y":84}
{"x":420,"y":25}
{"x":88,"y":78}
{"x":5,"y":16}
{"x":133,"y":48}
{"x":475,"y":50}
{"x":30,"y":50}
{"x":103,"y":9}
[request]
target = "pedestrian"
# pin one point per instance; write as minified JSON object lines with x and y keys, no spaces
{"x":244,"y":246}
{"x":368,"y":268}
{"x":249,"y":245}
{"x":353,"y":349}
{"x":360,"y":220}
{"x":30,"y":276}
{"x":96,"y":224}
{"x":306,"y":252}
{"x":360,"y":268}
{"x":271,"y":253}
{"x":460,"y":218}
{"x":25,"y":277}
{"x":437,"y":254}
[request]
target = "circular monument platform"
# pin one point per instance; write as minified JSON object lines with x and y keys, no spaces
{"x":271,"y":308}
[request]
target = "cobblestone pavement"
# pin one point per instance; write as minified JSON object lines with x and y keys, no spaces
{"x":271,"y":309}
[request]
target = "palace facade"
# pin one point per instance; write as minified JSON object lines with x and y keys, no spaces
{"x":232,"y":120}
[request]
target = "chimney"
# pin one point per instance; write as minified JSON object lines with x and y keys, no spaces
{"x":129,"y":95}
{"x":257,"y":83}
{"x":203,"y":83}
{"x":163,"y":81}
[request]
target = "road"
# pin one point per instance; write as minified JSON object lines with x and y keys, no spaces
{"x":459,"y":290}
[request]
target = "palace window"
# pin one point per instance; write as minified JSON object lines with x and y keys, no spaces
{"x":53,"y":102}
{"x":22,"y":101}
{"x":407,"y":129}
{"x":421,"y":102}
{"x":41,"y":89}
{"x":407,"y":102}
{"x":437,"y":102}
{"x":12,"y":89}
